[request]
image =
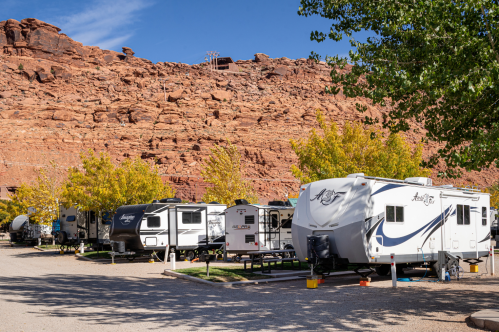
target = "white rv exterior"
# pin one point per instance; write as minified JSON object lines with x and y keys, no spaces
{"x":83,"y":226}
{"x":368,"y":218}
{"x":183,"y":227}
{"x":22,"y":230}
{"x":250,"y":227}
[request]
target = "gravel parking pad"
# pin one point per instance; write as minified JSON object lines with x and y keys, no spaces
{"x":46,"y":291}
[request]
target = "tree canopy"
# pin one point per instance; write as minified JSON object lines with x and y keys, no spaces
{"x":102,"y":186}
{"x":435,"y":62}
{"x":223,"y":170}
{"x":355,"y":150}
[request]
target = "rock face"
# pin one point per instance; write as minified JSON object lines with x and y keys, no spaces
{"x":59,"y":98}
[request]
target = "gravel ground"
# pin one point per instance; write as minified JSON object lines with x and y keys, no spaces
{"x":44,"y":291}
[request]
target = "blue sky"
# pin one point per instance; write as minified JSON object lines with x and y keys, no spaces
{"x":182,"y":31}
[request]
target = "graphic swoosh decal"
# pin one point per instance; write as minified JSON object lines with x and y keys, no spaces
{"x":387,"y":187}
{"x":370,"y":232}
{"x":438,"y":223}
{"x":392,"y":242}
{"x":486,"y":238}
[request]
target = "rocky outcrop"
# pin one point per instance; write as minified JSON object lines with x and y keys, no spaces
{"x":58,"y":98}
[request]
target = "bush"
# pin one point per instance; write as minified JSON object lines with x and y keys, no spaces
{"x":21,"y":67}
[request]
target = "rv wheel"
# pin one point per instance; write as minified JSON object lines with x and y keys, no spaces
{"x":190,"y":255}
{"x":130,"y":258}
{"x":383,"y":270}
{"x":161,"y":255}
{"x":203,"y":252}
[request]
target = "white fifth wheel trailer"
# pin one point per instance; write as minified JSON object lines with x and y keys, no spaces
{"x":189,"y":228}
{"x":367,"y":218}
{"x":251,"y":227}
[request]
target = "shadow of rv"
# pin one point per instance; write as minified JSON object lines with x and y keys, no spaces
{"x":170,"y":303}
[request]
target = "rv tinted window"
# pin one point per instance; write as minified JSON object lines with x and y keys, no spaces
{"x":390,"y":213}
{"x":484,"y":216}
{"x":249,"y":219}
{"x":191,"y":217}
{"x":71,"y":218}
{"x":459,"y":210}
{"x":153,"y":222}
{"x":287,"y":223}
{"x":399,"y":214}
{"x":273,"y":218}
{"x":249,"y":238}
{"x":466,"y":214}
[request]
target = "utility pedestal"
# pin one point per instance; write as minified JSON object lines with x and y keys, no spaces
{"x":207,"y":258}
{"x":39,"y":242}
{"x":394,"y":270}
{"x":82,"y":247}
{"x":172,"y":261}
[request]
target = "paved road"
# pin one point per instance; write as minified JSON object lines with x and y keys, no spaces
{"x":43,"y":291}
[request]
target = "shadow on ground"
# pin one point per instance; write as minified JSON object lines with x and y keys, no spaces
{"x":102,"y":299}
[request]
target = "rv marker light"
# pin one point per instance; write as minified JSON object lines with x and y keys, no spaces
{"x":256,"y":243}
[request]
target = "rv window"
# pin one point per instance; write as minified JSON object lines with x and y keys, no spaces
{"x":399,"y":214}
{"x":390,"y":213}
{"x":249,"y":238}
{"x":274,"y":220}
{"x":153,"y":222}
{"x":71,"y":218}
{"x":287,"y":223}
{"x":484,"y":216}
{"x":463,"y":214}
{"x":394,"y":213}
{"x":191,"y":217}
{"x":249,"y":219}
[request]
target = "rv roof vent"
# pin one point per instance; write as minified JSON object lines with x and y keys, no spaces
{"x":278,"y":203}
{"x":155,"y":201}
{"x":241,"y":202}
{"x":214,"y":202}
{"x":171,"y":200}
{"x":421,"y":181}
{"x":355,"y":175}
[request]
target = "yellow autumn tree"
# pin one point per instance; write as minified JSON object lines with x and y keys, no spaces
{"x":355,"y":150}
{"x":224,"y":172}
{"x":102,"y":186}
{"x":9,"y":210}
{"x":41,"y":196}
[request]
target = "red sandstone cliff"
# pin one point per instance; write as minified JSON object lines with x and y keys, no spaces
{"x":67,"y":97}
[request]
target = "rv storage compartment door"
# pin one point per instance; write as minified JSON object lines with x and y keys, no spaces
{"x":191,"y":224}
{"x":317,"y":247}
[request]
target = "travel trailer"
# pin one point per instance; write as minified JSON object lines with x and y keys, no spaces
{"x":191,"y":229}
{"x":367,"y":218}
{"x":251,"y":227}
{"x":75,"y":226}
{"x":21,"y":230}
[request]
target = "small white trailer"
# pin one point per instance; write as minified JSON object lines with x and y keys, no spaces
{"x":75,"y":226}
{"x":22,"y":230}
{"x":252,"y":227}
{"x":367,"y":218}
{"x":192,"y":229}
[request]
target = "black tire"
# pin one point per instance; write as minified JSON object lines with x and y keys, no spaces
{"x":177,"y":255}
{"x":383,"y":270}
{"x":400,"y":269}
{"x":62,"y":237}
{"x":190,"y":255}
{"x":130,"y":258}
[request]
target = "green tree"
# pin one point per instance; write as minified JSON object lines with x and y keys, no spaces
{"x":355,"y":150}
{"x":101,"y":186}
{"x":224,"y":171}
{"x":435,"y":62}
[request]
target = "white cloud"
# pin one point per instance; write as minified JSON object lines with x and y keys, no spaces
{"x":105,"y":23}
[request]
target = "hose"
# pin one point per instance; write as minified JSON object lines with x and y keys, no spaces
{"x":426,"y":271}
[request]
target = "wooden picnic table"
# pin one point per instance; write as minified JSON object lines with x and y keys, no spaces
{"x":262,"y":255}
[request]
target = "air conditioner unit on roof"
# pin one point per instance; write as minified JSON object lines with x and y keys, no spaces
{"x":420,"y":180}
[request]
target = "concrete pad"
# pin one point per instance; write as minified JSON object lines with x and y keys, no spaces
{"x":486,"y":319}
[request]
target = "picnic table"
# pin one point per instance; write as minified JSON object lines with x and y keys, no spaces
{"x":259,"y":257}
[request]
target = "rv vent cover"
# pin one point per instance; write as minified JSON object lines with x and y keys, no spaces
{"x":241,"y":202}
{"x":355,"y":175}
{"x":249,"y":219}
